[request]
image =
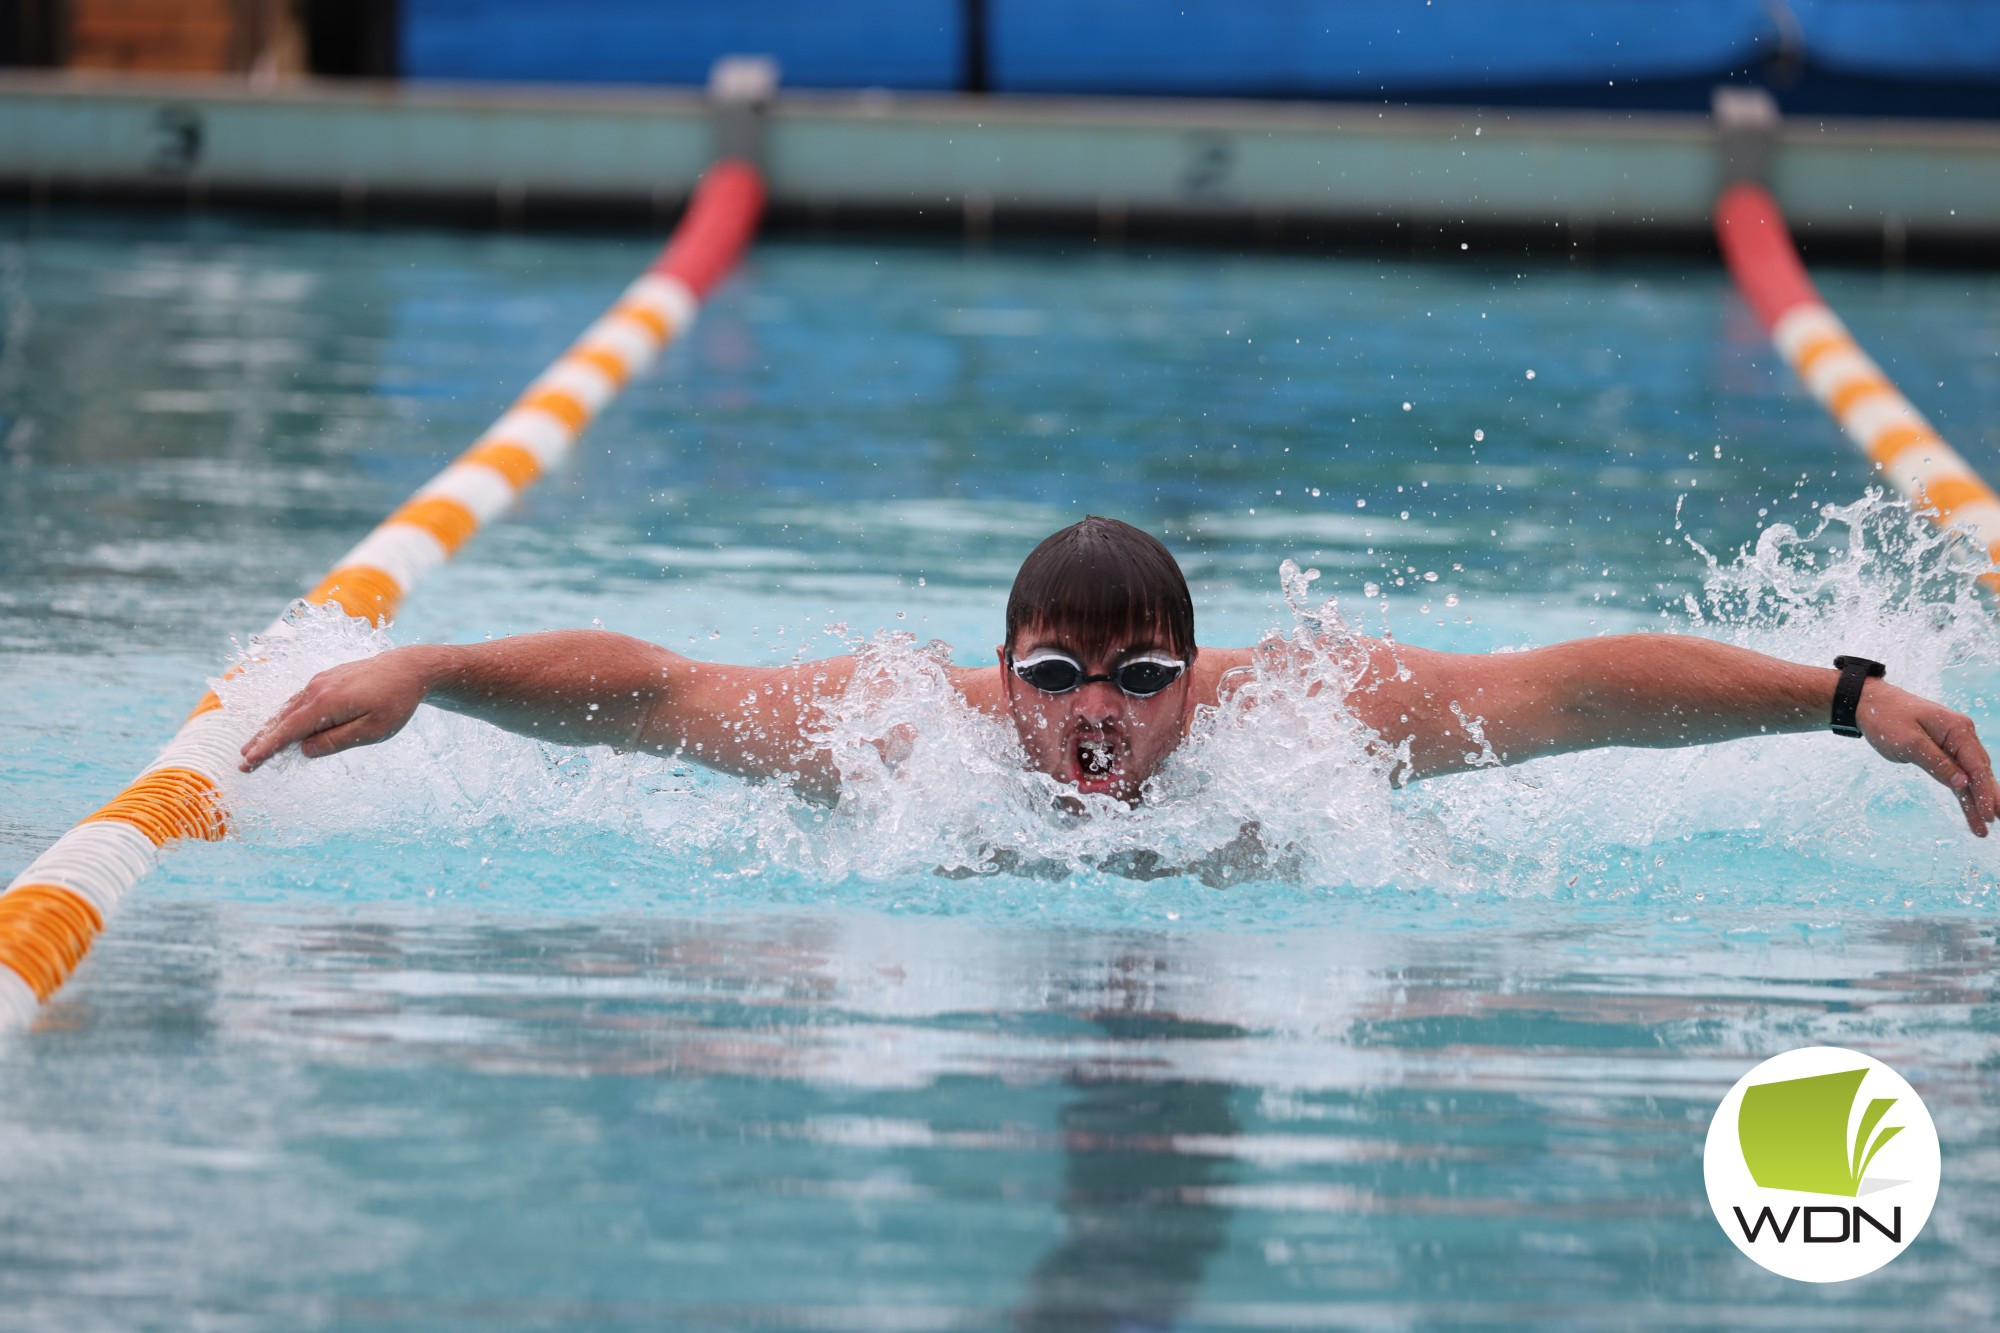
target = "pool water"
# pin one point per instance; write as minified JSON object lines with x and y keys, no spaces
{"x":462,"y":1032}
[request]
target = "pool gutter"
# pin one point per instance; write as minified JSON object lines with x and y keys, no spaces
{"x":1107,"y":168}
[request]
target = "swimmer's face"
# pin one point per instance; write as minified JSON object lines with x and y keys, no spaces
{"x":1096,"y":737}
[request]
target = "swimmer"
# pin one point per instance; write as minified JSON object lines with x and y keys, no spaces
{"x":1101,"y":680}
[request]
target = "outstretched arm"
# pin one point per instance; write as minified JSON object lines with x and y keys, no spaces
{"x":577,"y":687}
{"x":1648,"y":690}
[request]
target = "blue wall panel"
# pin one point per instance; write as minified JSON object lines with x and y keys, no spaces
{"x":1903,"y":39}
{"x":1282,"y":48}
{"x":1348,"y":48}
{"x":818,"y":43}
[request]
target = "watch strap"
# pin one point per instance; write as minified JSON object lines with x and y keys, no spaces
{"x":1854,"y":673}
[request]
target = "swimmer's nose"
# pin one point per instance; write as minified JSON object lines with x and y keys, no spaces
{"x":1099,"y":701}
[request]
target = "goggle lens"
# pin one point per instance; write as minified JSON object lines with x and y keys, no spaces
{"x":1051,"y":675}
{"x":1146,"y":677}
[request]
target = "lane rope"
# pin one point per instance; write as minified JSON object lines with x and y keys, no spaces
{"x":1904,"y":447}
{"x":54,"y":909}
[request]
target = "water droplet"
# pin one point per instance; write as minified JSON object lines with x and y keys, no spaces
{"x":1371,"y":590}
{"x":1478,"y":435}
{"x":1451,"y":599}
{"x":1531,"y":374}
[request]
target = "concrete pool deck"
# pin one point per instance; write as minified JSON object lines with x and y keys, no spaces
{"x":1236,"y":171}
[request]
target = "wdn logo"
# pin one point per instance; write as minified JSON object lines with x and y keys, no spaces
{"x":1822,"y":1164}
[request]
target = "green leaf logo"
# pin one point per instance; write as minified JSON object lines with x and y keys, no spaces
{"x":1794,"y":1133}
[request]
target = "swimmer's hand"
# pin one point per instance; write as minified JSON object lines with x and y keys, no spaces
{"x":360,"y":703}
{"x":1909,"y":729}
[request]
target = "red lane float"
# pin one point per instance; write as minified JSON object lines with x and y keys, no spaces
{"x":1904,"y":446}
{"x":54,"y":909}
{"x":713,"y":236}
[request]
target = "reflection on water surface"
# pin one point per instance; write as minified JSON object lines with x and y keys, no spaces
{"x":848,"y":1120}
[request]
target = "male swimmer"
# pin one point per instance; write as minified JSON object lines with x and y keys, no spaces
{"x":1101,"y":679}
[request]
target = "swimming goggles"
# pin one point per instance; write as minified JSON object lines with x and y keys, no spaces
{"x":1058,"y":673}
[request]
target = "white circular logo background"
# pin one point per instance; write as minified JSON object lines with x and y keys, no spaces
{"x":1854,"y":1171}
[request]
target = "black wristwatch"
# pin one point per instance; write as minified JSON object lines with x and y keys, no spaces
{"x":1854,"y":672}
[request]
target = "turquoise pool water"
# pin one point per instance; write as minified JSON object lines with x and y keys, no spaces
{"x":461,"y":1033}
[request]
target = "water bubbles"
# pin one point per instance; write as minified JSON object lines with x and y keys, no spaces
{"x":1478,"y":436}
{"x":1360,"y":504}
{"x":1371,"y":590}
{"x":1451,"y":599}
{"x":1531,"y":374}
{"x":1406,"y":407}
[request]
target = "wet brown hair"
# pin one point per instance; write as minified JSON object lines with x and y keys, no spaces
{"x":1097,"y":578}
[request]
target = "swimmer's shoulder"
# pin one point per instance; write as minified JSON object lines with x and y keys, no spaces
{"x":982,"y":688}
{"x":1216,"y":671}
{"x":1219,"y":671}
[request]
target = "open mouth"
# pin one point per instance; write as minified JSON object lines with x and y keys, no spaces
{"x":1095,"y":759}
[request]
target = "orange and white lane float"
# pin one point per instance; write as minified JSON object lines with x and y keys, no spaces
{"x":1906,"y":448}
{"x":54,"y":909}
